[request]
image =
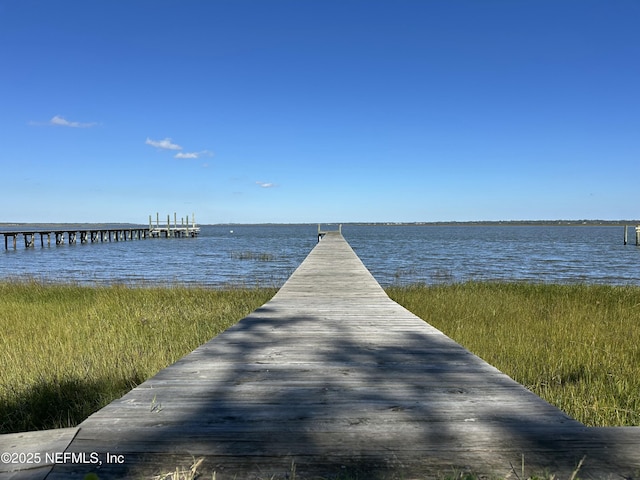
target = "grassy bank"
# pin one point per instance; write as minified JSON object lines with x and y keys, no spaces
{"x":66,"y":350}
{"x":576,"y":346}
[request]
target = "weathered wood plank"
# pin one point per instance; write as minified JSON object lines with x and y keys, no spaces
{"x":335,"y":377}
{"x":29,"y":455}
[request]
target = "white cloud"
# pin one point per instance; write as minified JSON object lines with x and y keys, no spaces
{"x":164,"y":144}
{"x":266,"y":184}
{"x":203,"y":153}
{"x":186,"y":155}
{"x":58,"y":121}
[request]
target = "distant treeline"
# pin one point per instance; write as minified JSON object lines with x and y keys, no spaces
{"x":444,"y":223}
{"x":453,"y":223}
{"x":513,"y":222}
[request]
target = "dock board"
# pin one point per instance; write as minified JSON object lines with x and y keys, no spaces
{"x":333,"y":379}
{"x":31,"y":455}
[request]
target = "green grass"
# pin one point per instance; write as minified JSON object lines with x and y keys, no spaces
{"x":68,"y":350}
{"x":577,"y":346}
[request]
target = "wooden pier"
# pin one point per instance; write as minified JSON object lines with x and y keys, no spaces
{"x":626,"y":228}
{"x":322,"y":233}
{"x":71,"y":235}
{"x":332,"y":379}
{"x":175,"y":231}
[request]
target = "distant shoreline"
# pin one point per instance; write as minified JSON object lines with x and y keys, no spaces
{"x":79,"y":225}
{"x":543,"y":223}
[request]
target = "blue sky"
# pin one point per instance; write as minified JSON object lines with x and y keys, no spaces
{"x":319,"y":110}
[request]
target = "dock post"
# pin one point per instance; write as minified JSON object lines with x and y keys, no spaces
{"x":5,"y":243}
{"x":168,"y":226}
{"x":625,"y":234}
{"x":187,"y":225}
{"x":637,"y":235}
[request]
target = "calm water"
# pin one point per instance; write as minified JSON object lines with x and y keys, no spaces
{"x":267,"y":255}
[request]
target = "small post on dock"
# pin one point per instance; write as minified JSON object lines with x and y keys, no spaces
{"x":637,"y":235}
{"x":626,"y":227}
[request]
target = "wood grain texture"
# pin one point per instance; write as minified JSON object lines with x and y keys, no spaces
{"x":333,"y":376}
{"x":31,"y":454}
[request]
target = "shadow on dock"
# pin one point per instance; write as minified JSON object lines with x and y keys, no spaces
{"x":346,"y":410}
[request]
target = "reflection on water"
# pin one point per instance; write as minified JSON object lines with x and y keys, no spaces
{"x":267,"y":255}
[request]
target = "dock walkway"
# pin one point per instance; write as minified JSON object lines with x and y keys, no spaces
{"x":332,"y":379}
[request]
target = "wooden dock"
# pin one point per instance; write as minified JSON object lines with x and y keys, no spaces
{"x":175,"y":231}
{"x":332,"y":379}
{"x":71,"y":234}
{"x":90,"y":235}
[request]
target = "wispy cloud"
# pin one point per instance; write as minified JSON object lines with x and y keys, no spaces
{"x":165,"y":144}
{"x":266,"y":184}
{"x":58,"y":121}
{"x":186,"y":155}
{"x":203,"y":153}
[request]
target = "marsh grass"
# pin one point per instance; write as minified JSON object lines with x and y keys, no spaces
{"x":256,"y":256}
{"x":577,"y":346}
{"x":68,"y":350}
